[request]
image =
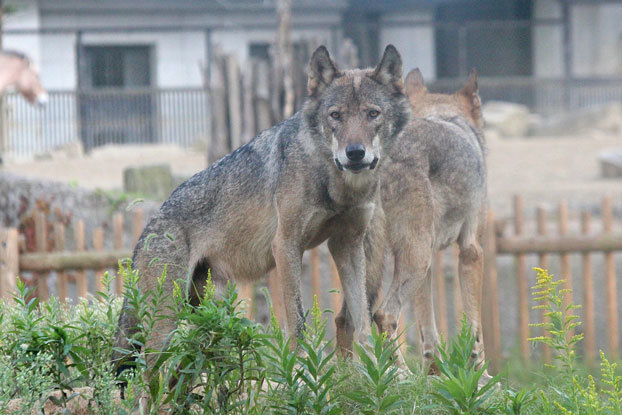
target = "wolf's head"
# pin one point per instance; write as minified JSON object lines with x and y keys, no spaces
{"x":356,"y":112}
{"x":465,"y":102}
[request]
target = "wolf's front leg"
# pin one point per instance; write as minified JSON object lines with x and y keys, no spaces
{"x":346,"y":247}
{"x":288,"y":258}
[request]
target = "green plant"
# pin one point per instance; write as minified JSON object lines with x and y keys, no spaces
{"x":461,"y":387}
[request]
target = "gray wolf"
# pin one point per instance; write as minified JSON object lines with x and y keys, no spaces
{"x":312,"y":178}
{"x":433,"y":192}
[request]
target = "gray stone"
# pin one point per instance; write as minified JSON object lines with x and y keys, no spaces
{"x":611,"y":163}
{"x":155,"y":181}
{"x":507,"y":118}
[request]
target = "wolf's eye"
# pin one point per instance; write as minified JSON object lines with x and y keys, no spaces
{"x":373,"y":113}
{"x":335,"y":115}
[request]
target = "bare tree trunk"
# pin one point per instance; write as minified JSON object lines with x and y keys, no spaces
{"x":219,"y":146}
{"x":284,"y":54}
{"x":3,"y":135}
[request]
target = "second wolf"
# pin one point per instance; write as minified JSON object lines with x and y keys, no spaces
{"x":433,"y":193}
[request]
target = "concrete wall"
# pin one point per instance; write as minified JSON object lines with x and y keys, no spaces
{"x":414,"y":42}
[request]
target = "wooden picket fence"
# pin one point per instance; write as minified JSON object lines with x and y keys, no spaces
{"x":71,"y":268}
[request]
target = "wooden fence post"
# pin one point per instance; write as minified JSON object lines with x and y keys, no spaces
{"x":543,"y":260}
{"x":441,"y":296}
{"x":490,"y":297}
{"x":521,"y":280}
{"x":41,"y":237}
{"x":336,"y":298}
{"x":276,"y":296}
{"x":117,"y":224}
{"x":588,"y":296}
{"x":565,"y":265}
{"x":98,"y":245}
{"x":9,"y":262}
{"x":316,"y":275}
{"x":137,"y":225}
{"x":59,"y":245}
{"x":79,"y":242}
{"x":610,"y":283}
{"x":458,"y":306}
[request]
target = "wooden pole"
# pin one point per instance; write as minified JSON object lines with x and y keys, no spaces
{"x":276,"y":296}
{"x":521,"y":280}
{"x":566,"y":272}
{"x":79,"y":242}
{"x":98,"y":245}
{"x":336,"y":298}
{"x":316,"y":275}
{"x":59,"y":246}
{"x":441,"y":296}
{"x":9,"y":265}
{"x":234,"y":100}
{"x":588,"y":297}
{"x":246,"y":292}
{"x":117,"y":222}
{"x":543,"y":259}
{"x":41,"y":237}
{"x":490,"y":297}
{"x":458,"y":308}
{"x":610,"y":283}
{"x":137,"y":225}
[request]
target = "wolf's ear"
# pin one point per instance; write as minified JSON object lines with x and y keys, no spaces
{"x":414,"y":83}
{"x":321,"y":71}
{"x":470,"y":89}
{"x":389,"y":70}
{"x":470,"y":92}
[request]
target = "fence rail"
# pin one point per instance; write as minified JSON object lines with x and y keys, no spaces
{"x":71,"y":268}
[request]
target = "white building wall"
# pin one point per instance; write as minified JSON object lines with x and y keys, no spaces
{"x":414,"y":42}
{"x":25,"y":17}
{"x":597,"y":39}
{"x":548,"y":41}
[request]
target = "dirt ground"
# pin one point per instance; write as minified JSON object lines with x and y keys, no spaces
{"x":544,"y":170}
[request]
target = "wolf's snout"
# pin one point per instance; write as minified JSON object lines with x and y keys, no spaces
{"x":355,"y":152}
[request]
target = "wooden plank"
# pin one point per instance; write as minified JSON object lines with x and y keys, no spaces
{"x":610,"y":284}
{"x":137,"y":225}
{"x":9,"y":262}
{"x":316,"y":276}
{"x":441,"y":295}
{"x":80,"y":245}
{"x":59,"y":246}
{"x":41,"y":238}
{"x":59,"y":261}
{"x":490,"y":298}
{"x":117,"y":224}
{"x":565,"y":265}
{"x":521,"y":283}
{"x":98,"y":245}
{"x":588,"y":297}
{"x":558,"y":244}
{"x":543,"y":262}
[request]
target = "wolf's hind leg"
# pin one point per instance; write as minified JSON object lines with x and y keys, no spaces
{"x":471,"y":263}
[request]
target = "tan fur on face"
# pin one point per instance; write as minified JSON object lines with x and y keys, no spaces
{"x":465,"y":102}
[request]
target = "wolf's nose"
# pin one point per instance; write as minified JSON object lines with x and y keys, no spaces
{"x":355,"y":152}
